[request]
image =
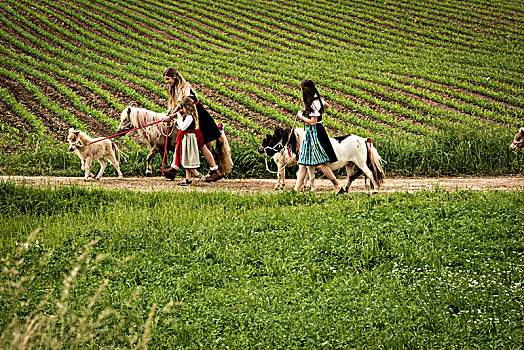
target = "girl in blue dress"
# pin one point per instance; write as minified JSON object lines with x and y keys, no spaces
{"x":316,"y":149}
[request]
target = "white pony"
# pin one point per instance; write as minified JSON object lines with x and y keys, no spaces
{"x":89,"y":149}
{"x":156,"y":135}
{"x":350,"y":150}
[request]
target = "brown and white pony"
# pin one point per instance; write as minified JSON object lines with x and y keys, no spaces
{"x":283,"y":147}
{"x":156,"y":135}
{"x":518,"y":141}
{"x":350,"y":150}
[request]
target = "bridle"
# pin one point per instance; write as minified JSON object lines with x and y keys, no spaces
{"x":279,"y":147}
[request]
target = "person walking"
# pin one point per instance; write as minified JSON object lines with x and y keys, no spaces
{"x":316,"y":149}
{"x":188,"y":140}
{"x":178,"y":89}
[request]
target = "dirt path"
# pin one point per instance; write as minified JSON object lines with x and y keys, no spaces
{"x":501,"y":183}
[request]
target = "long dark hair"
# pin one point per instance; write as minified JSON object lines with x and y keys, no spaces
{"x":310,"y":94}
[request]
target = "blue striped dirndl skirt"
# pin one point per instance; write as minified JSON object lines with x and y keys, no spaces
{"x":311,"y":151}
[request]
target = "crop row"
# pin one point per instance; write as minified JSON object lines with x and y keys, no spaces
{"x":210,"y":46}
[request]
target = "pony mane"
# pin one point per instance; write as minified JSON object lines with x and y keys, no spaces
{"x":142,"y":116}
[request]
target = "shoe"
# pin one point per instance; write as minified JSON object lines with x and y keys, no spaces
{"x":198,"y":178}
{"x":186,"y":182}
{"x":213,"y":176}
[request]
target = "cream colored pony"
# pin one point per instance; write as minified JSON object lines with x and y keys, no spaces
{"x":156,"y":134}
{"x":89,"y":149}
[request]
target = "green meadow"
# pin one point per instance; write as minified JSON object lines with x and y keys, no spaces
{"x":437,"y":85}
{"x":118,"y":269}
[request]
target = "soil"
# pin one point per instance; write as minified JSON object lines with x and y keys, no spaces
{"x":256,"y":186}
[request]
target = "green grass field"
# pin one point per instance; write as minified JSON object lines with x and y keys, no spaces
{"x":111,"y":269}
{"x":437,"y":85}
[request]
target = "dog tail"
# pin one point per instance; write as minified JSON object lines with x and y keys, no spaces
{"x":376,"y":162}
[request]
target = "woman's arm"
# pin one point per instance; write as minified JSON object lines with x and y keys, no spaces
{"x":170,"y":117}
{"x":312,"y":120}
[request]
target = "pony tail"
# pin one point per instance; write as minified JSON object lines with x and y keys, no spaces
{"x":376,"y":163}
{"x":222,"y":153}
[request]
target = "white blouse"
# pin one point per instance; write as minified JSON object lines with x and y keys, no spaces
{"x":182,"y":123}
{"x":315,"y":106}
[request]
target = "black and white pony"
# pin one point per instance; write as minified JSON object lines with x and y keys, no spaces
{"x":157,"y":134}
{"x":351,"y":150}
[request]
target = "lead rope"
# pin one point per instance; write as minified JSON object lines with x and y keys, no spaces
{"x":165,"y":150}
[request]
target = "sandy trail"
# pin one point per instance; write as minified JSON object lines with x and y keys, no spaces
{"x":412,"y":184}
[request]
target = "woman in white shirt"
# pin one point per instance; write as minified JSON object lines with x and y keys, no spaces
{"x":178,"y":89}
{"x":316,"y":149}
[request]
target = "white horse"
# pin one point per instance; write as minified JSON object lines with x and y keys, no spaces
{"x":350,"y":150}
{"x":156,"y":135}
{"x":89,"y":149}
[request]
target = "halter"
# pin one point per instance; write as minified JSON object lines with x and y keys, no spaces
{"x":274,"y":148}
{"x":283,"y":147}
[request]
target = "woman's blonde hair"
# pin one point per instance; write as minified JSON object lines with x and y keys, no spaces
{"x":189,"y":106}
{"x":176,"y":88}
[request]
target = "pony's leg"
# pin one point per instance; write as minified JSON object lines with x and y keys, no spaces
{"x":369,"y":175}
{"x":103,"y":165}
{"x":150,"y":156}
{"x":349,"y":172}
{"x":87,"y":166}
{"x":281,"y":178}
{"x":352,"y":175}
{"x":115,"y":163}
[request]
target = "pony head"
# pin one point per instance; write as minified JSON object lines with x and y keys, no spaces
{"x":518,"y":141}
{"x":125,"y":120}
{"x":73,"y":138}
{"x":273,"y":144}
